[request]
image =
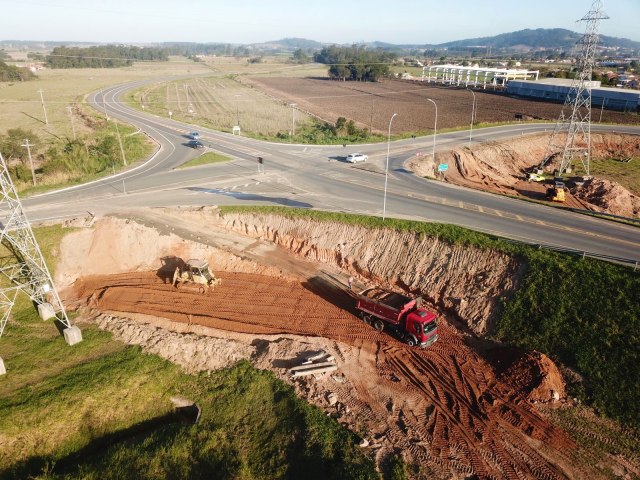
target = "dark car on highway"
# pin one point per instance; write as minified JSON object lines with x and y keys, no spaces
{"x":195,"y":144}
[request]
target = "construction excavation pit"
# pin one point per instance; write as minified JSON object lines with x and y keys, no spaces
{"x":461,"y":408}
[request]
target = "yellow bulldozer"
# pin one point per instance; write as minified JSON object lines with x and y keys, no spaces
{"x":555,"y":193}
{"x":197,"y":273}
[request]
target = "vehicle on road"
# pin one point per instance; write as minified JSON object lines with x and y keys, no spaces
{"x":401,"y":314}
{"x":194,"y":136}
{"x":195,"y":272}
{"x":357,"y":157}
{"x":195,"y":144}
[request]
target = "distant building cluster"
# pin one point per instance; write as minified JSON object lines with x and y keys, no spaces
{"x":557,"y":89}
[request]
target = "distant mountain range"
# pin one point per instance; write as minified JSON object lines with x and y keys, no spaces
{"x":558,"y":39}
{"x":540,"y":39}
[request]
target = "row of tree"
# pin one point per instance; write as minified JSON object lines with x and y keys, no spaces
{"x":108,"y":56}
{"x":355,"y":63}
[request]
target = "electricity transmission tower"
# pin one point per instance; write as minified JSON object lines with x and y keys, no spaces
{"x":577,"y":125}
{"x":23,"y":267}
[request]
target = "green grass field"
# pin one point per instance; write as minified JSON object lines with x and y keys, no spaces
{"x":21,"y":105}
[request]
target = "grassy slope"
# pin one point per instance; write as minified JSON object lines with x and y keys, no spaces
{"x":101,"y":410}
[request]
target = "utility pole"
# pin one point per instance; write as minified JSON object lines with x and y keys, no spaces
{"x":124,"y":160}
{"x":293,"y":121}
{"x":46,"y":120}
{"x":28,"y":147}
{"x":73,"y":127}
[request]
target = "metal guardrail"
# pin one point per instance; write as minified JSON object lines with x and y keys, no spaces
{"x":606,"y":215}
{"x":583,"y":253}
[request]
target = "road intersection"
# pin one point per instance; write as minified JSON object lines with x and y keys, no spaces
{"x":319,"y":177}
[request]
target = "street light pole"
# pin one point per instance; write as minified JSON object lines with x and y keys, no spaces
{"x":293,"y":121}
{"x":386,"y":173}
{"x":435,"y":131}
{"x":473,"y":114}
{"x":237,"y":112}
{"x":28,"y":146}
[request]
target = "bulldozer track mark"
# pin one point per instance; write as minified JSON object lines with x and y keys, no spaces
{"x":447,"y":406}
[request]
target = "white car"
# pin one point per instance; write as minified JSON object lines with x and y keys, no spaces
{"x":357,"y":157}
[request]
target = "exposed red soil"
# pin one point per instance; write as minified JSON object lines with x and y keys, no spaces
{"x":373,"y":104}
{"x":446,"y":405}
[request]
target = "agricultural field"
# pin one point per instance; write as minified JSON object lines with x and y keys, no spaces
{"x":373,"y":104}
{"x":219,"y":102}
{"x":21,"y":104}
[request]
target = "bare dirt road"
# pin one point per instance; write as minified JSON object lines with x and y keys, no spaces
{"x":445,"y":407}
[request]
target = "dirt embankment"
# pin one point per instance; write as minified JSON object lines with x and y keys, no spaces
{"x":465,"y":281}
{"x":501,"y":166}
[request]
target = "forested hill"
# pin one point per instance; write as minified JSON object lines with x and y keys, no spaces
{"x":542,"y":38}
{"x":107,"y":56}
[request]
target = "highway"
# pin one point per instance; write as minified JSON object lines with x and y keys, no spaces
{"x":318,"y":177}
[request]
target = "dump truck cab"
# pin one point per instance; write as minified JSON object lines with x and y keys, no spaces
{"x":422,"y":325}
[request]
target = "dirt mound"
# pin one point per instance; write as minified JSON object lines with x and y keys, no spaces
{"x":501,"y":166}
{"x":610,"y":196}
{"x":536,"y":377}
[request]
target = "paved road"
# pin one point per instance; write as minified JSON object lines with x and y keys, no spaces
{"x":318,"y":177}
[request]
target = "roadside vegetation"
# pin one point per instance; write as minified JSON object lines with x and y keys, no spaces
{"x":625,"y":171}
{"x":583,"y":313}
{"x":11,"y":73}
{"x":355,"y":63}
{"x":102,"y":410}
{"x":205,"y":159}
{"x":66,"y":161}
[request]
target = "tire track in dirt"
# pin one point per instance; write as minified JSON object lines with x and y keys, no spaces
{"x":445,"y":404}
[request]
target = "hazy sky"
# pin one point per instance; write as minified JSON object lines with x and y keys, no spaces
{"x":339,"y":21}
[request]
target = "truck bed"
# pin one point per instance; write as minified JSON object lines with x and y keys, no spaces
{"x":390,"y":299}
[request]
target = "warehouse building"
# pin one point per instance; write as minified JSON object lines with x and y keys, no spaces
{"x":557,"y":89}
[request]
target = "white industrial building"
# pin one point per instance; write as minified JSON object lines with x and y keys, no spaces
{"x":557,"y":89}
{"x":475,"y":76}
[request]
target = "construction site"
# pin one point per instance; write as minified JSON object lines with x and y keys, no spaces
{"x":464,"y":406}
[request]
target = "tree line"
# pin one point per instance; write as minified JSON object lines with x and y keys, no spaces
{"x":11,"y":73}
{"x":355,"y":63}
{"x":107,"y":56}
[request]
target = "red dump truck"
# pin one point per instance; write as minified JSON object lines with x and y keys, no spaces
{"x":401,"y":314}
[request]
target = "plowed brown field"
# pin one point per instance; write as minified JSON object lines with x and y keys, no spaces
{"x":371,"y":104}
{"x":449,"y":407}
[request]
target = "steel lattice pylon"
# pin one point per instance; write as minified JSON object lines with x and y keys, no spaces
{"x":578,"y":124}
{"x":23,"y":264}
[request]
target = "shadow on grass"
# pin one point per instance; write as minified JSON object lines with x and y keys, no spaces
{"x":37,"y":465}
